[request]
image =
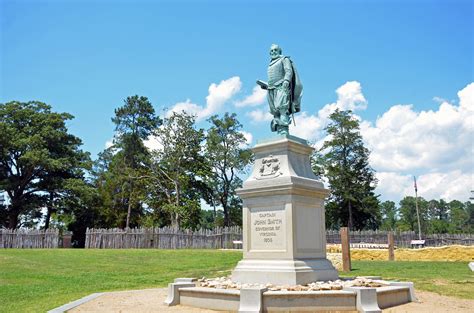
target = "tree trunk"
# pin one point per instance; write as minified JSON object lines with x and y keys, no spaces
{"x":226,"y":217}
{"x":350,"y":216}
{"x":49,"y":211}
{"x":129,"y":211}
{"x":175,"y":220}
{"x":215,"y":211}
{"x":226,"y":210}
{"x":48,"y":218}
{"x":12,"y":220}
{"x":14,"y":213}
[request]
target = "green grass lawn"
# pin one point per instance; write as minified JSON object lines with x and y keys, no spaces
{"x":39,"y":280}
{"x":446,"y":278}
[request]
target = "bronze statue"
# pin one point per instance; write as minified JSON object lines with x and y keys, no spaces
{"x":284,"y":90}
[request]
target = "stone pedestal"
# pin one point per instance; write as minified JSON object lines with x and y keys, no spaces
{"x":284,"y":236}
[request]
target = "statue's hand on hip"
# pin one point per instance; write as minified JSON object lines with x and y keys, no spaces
{"x":286,"y":85}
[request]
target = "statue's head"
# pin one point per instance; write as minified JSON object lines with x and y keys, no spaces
{"x":275,"y":51}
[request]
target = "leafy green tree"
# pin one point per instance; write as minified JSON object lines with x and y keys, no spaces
{"x":177,"y":169}
{"x":469,"y":208}
{"x":438,"y":214}
{"x":134,"y":122}
{"x":79,"y":209}
{"x":111,"y":182}
{"x":352,"y":181}
{"x":408,"y":217}
{"x":389,"y":215}
{"x":211,"y":220}
{"x":37,"y":157}
{"x":461,"y":217}
{"x":227,"y":158}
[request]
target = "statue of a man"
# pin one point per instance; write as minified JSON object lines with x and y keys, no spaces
{"x":284,"y":90}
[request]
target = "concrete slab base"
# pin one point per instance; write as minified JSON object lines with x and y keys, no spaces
{"x":256,"y":300}
{"x":173,"y":291}
{"x":284,"y":272}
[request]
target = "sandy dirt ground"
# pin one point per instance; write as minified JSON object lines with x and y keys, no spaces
{"x":454,"y":253}
{"x":151,"y":300}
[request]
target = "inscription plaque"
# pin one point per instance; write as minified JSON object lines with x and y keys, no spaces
{"x":267,"y":227}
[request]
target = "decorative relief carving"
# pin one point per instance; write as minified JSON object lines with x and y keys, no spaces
{"x":270,"y":168}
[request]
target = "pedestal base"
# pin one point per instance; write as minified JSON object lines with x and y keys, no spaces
{"x":284,"y":272}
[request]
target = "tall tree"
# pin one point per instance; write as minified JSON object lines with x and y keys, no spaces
{"x":438,"y":214}
{"x":461,"y":217}
{"x":177,"y":169}
{"x":408,"y":217}
{"x":389,"y":215}
{"x":352,"y":181}
{"x":227,"y":157}
{"x":37,"y":156}
{"x":134,"y":122}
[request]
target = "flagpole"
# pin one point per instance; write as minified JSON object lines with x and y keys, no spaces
{"x":417,"y":211}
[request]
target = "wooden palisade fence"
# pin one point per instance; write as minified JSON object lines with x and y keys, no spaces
{"x":170,"y":238}
{"x":163,"y":238}
{"x":401,"y":239}
{"x":29,"y":238}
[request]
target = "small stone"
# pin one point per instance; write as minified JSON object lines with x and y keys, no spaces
{"x":336,"y":287}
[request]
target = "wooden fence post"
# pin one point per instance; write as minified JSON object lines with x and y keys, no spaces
{"x":391,"y":247}
{"x":346,"y":250}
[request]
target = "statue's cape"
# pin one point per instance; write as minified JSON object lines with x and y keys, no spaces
{"x":296,"y":90}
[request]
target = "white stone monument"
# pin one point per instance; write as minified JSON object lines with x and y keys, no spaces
{"x":284,"y":233}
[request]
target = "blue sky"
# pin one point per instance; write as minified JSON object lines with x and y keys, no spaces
{"x":393,"y":62}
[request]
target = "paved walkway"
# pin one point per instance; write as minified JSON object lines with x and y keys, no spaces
{"x":151,"y":300}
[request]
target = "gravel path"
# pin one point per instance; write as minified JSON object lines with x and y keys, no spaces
{"x":151,"y":300}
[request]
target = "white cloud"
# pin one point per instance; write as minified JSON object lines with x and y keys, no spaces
{"x":152,"y":143}
{"x":260,"y":116}
{"x":248,"y":139}
{"x":349,"y":97}
{"x":466,"y":98}
{"x":437,"y":145}
{"x":220,"y":94}
{"x":217,"y":96}
{"x":451,"y":185}
{"x":186,"y":106}
{"x":109,"y":143}
{"x":405,"y":140}
{"x":257,"y":97}
{"x":393,"y":185}
{"x":307,"y":126}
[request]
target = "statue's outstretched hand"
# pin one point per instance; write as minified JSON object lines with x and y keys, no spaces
{"x":286,"y":85}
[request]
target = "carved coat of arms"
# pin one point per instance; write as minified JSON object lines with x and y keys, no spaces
{"x":270,"y":167}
